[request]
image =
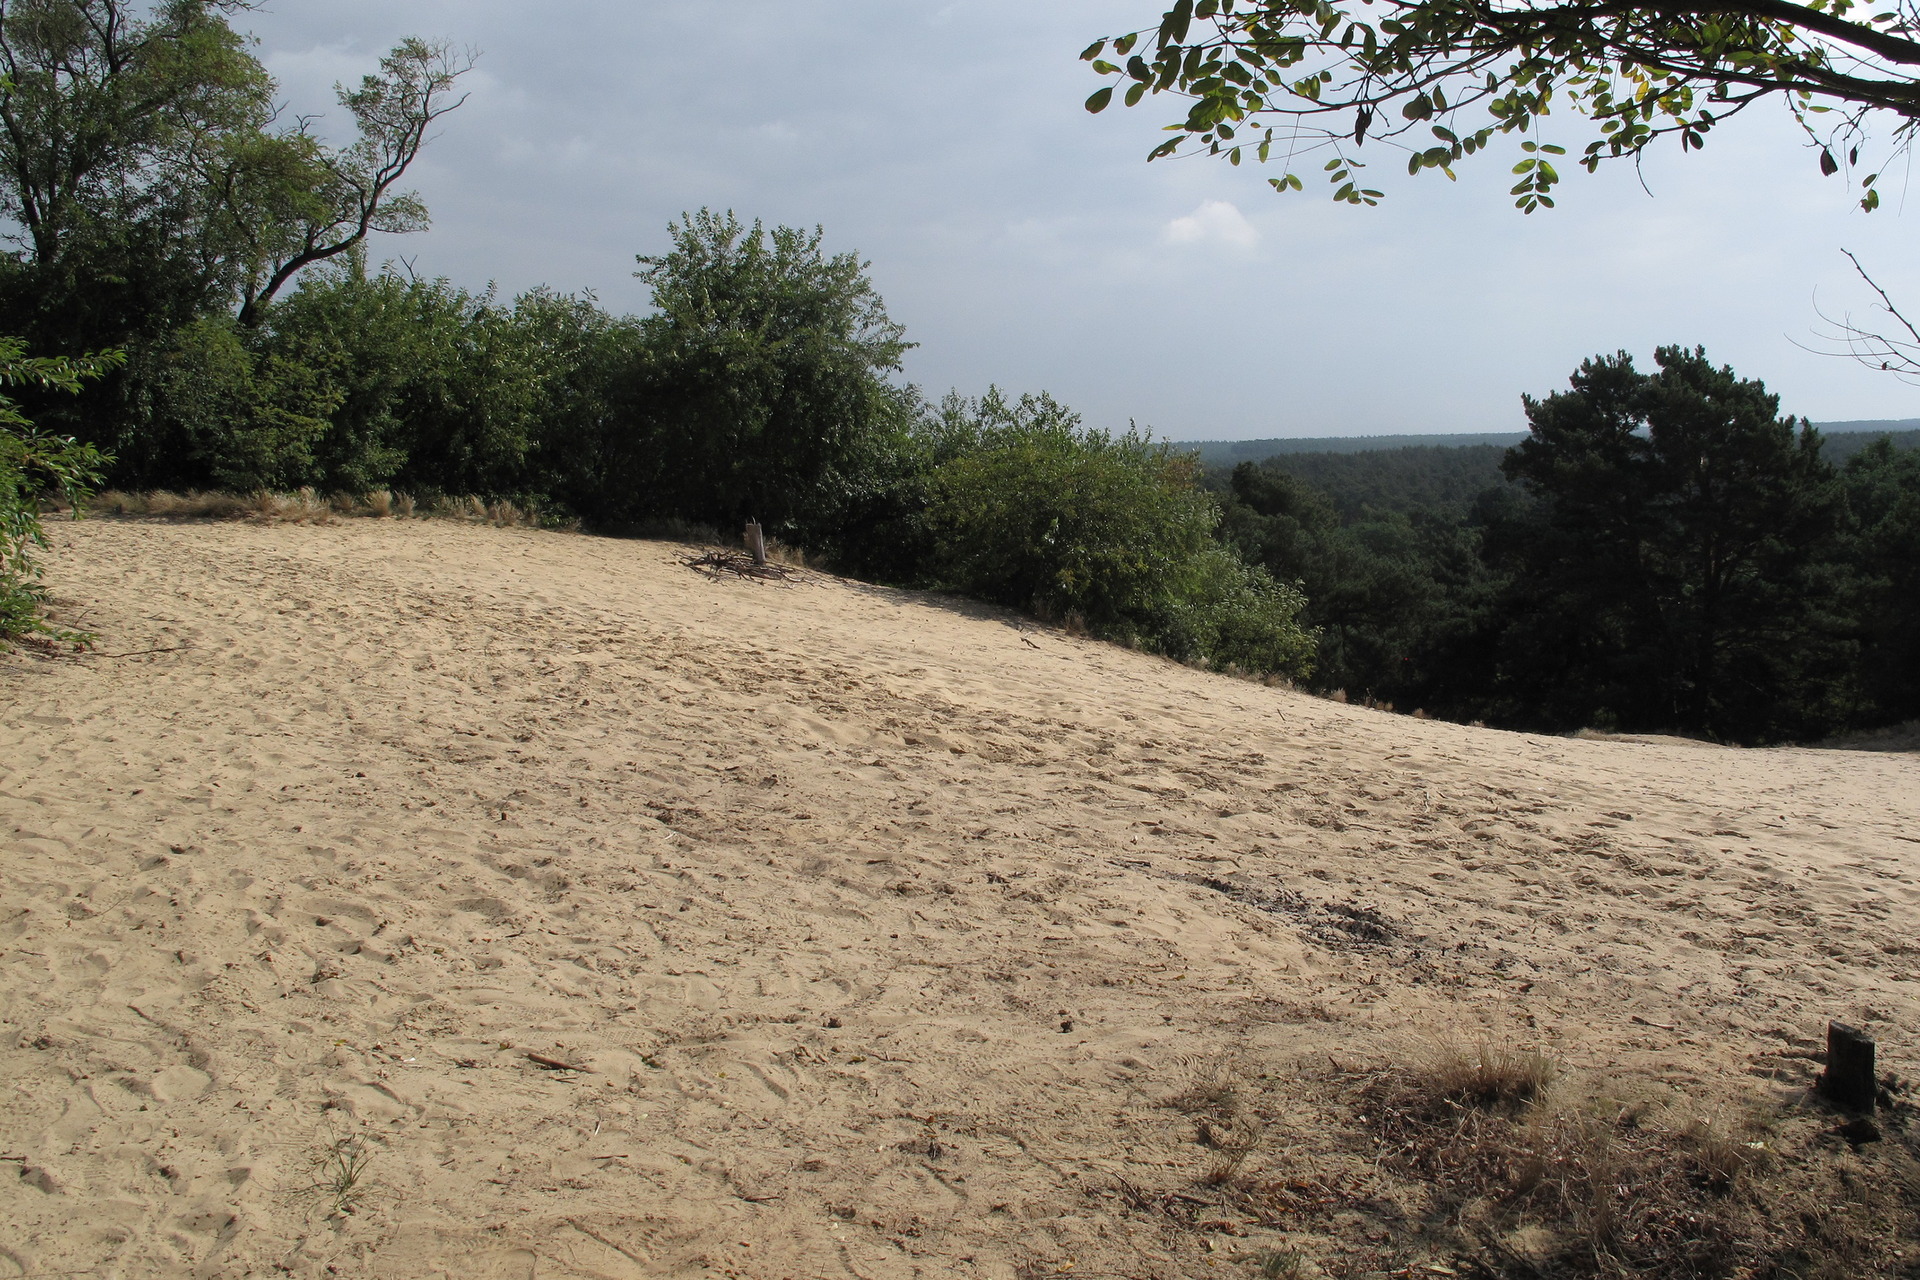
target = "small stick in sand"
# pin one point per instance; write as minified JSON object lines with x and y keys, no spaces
{"x":554,"y":1064}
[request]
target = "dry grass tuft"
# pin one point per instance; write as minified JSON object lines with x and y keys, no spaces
{"x":1487,"y":1077}
{"x":113,"y":502}
{"x":1722,"y":1159}
{"x":174,"y":506}
{"x":474,"y":511}
{"x":1279,"y":1264}
{"x":673,"y":529}
{"x":1497,"y":1163}
{"x":305,"y":506}
{"x":1542,"y":1178}
{"x":781,"y":553}
{"x":1212,"y":1090}
{"x":1899,"y":737}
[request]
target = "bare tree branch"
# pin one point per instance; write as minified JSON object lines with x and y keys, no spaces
{"x":353,"y":193}
{"x":1887,"y":352}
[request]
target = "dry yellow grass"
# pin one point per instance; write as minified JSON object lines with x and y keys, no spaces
{"x":306,"y":506}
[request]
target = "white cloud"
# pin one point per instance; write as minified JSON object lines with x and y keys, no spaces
{"x":1214,"y":222}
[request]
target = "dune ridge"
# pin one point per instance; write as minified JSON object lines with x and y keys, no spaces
{"x":882,"y":925}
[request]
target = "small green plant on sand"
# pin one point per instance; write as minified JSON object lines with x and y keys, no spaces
{"x":340,"y":1180}
{"x":35,"y":465}
{"x":1279,"y":1264}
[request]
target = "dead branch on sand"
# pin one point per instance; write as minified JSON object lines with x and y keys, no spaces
{"x":740,"y":564}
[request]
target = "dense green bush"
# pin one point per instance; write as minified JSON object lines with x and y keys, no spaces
{"x":232,"y":412}
{"x":359,"y":381}
{"x":762,"y":391}
{"x":1111,"y":533}
{"x":33,"y":466}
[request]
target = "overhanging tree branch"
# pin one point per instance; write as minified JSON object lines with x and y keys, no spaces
{"x":1262,"y":78}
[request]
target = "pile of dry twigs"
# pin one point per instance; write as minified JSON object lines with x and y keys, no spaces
{"x":739,"y":564}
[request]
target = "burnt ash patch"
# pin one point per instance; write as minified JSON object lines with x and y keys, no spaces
{"x":1334,"y":924}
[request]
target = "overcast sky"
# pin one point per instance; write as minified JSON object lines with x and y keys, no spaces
{"x":1025,"y":243}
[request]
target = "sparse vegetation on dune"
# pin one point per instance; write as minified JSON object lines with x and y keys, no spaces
{"x":305,"y":506}
{"x":1499,"y":1163}
{"x":918,"y":935}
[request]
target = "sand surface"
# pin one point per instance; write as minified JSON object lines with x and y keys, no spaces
{"x":883,"y":923}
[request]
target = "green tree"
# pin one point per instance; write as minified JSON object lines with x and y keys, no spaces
{"x":1883,"y":499}
{"x":151,"y":189}
{"x":589,"y":457}
{"x":110,"y":120}
{"x":290,"y":202}
{"x":1383,"y":588}
{"x":765,"y":393}
{"x":1112,"y":532}
{"x":1674,"y":571}
{"x":1435,"y":80}
{"x":35,"y":465}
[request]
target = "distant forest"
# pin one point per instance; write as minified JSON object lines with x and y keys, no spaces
{"x":1444,"y":477}
{"x":1614,"y":568}
{"x":1846,"y":439}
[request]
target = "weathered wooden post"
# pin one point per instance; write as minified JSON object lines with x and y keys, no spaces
{"x":1849,"y":1078}
{"x":756,"y":542}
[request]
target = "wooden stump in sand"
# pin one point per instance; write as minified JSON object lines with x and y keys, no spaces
{"x":756,"y":542}
{"x":1849,"y":1078}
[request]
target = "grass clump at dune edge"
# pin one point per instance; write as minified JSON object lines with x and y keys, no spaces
{"x":1500,"y":1164}
{"x":307,"y":506}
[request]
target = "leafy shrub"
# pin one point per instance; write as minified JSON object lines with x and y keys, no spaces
{"x":243,"y":417}
{"x":761,"y":393}
{"x":34,"y":464}
{"x":435,"y":389}
{"x":1031,"y":510}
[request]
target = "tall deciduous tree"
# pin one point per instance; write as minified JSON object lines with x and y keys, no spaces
{"x":108,"y":120}
{"x":764,"y":382}
{"x":1435,"y":80}
{"x":149,"y":183}
{"x":294,"y":202}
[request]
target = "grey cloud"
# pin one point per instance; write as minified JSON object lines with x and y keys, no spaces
{"x":1026,"y":243}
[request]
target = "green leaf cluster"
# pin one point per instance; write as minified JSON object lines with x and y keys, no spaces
{"x":1437,"y":79}
{"x":36,"y":466}
{"x":1108,"y":532}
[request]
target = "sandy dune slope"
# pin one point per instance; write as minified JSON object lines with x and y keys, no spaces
{"x":883,"y":924}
